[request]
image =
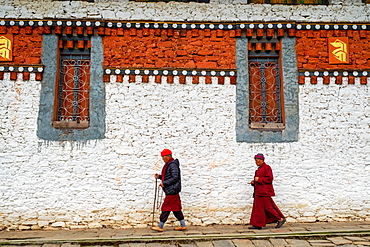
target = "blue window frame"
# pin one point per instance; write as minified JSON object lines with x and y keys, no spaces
{"x":245,"y":132}
{"x":50,"y":59}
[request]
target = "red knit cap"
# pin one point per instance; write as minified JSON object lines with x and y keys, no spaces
{"x":166,"y":152}
{"x":259,"y":156}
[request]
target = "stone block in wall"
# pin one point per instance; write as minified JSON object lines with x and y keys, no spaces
{"x":58,"y":224}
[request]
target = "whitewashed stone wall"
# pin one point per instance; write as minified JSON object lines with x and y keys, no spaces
{"x":109,"y":182}
{"x":338,"y":11}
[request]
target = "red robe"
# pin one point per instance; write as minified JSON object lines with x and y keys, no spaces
{"x":264,"y":209}
{"x":171,"y":202}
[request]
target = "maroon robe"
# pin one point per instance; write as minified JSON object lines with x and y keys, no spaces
{"x":264,"y":209}
{"x":171,"y":202}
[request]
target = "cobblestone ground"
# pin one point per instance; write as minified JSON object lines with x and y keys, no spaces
{"x":346,"y":241}
{"x":291,"y":234}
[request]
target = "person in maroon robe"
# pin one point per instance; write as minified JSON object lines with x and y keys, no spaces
{"x":171,"y":185}
{"x":264,"y":209}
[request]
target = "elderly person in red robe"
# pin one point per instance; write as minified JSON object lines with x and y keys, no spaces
{"x":171,"y":184}
{"x":264,"y":209}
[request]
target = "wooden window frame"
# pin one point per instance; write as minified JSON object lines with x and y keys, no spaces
{"x":70,"y":54}
{"x":268,"y":126}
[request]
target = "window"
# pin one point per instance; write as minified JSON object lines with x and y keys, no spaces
{"x":72,"y":97}
{"x":59,"y":56}
{"x":323,"y":2}
{"x":265,"y":99}
{"x":267,"y":109}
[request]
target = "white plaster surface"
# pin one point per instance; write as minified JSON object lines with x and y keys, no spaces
{"x":109,"y":182}
{"x":216,"y":11}
{"x":323,"y":176}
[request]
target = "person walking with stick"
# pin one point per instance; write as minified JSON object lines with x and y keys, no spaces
{"x":264,"y":209}
{"x":171,"y":184}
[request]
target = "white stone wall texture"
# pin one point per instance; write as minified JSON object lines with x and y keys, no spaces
{"x":109,"y":182}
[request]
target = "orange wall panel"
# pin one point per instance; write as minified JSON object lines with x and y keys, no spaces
{"x":27,"y":47}
{"x":178,"y":50}
{"x":313,"y":52}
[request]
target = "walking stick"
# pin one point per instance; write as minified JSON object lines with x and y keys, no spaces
{"x":155,"y":199}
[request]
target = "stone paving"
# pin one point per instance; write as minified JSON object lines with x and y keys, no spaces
{"x":291,"y":234}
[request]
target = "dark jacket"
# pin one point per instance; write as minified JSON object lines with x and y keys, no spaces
{"x":264,"y":185}
{"x":172,"y":177}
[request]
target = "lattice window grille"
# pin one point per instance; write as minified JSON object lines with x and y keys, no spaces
{"x":73,"y":88}
{"x":264,"y":91}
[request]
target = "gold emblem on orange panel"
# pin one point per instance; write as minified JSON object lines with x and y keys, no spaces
{"x":338,"y":50}
{"x":6,"y":48}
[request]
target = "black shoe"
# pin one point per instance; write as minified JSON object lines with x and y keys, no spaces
{"x":255,"y":227}
{"x":280,"y":223}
